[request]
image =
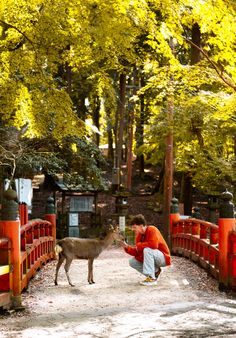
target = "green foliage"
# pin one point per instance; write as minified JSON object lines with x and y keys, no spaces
{"x":203,"y":96}
{"x":83,"y":162}
{"x":76,"y":159}
{"x":202,"y":126}
{"x":21,"y":157}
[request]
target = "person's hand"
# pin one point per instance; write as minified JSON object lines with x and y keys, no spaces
{"x":124,"y":244}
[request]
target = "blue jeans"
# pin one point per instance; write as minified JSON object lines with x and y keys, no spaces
{"x":153,"y":259}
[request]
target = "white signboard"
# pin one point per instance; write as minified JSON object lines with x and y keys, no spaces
{"x":24,"y":190}
{"x":82,"y":203}
{"x":73,"y":219}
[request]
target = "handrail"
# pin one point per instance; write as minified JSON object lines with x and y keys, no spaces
{"x":199,"y":241}
{"x":5,"y":247}
{"x":5,"y":272}
{"x":37,"y":247}
{"x":33,"y":230}
{"x":32,"y":246}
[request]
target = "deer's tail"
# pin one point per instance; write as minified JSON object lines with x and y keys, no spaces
{"x":57,"y":249}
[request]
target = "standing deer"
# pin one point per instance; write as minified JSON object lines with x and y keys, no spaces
{"x":70,"y":248}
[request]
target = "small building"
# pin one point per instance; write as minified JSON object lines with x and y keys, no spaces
{"x":77,"y":209}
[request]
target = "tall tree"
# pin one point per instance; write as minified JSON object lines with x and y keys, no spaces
{"x":55,"y":58}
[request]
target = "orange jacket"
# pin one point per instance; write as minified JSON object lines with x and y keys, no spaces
{"x":151,"y":239}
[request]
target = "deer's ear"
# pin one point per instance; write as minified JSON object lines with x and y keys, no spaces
{"x":110,"y":227}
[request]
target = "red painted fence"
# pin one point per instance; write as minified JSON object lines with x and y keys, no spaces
{"x":23,"y":251}
{"x":37,"y":246}
{"x":211,"y":246}
{"x":5,"y":271}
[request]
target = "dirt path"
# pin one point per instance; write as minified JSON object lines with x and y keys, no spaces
{"x":186,"y":303}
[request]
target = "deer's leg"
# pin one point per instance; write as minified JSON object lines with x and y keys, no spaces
{"x":90,"y":270}
{"x":67,"y":267}
{"x":59,"y":263}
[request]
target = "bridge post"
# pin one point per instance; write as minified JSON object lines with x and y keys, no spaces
{"x":50,"y":215}
{"x":196,"y":213}
{"x":232,"y":260}
{"x":23,"y":211}
{"x":10,"y":228}
{"x":174,"y":215}
{"x":226,"y":224}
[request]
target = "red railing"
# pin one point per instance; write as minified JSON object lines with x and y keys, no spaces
{"x":211,"y":246}
{"x":5,"y":271}
{"x":36,"y":248}
{"x":232,"y":258}
{"x":24,"y":250}
{"x":197,"y":240}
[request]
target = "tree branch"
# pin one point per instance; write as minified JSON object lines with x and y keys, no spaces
{"x":17,"y":29}
{"x":230,"y":84}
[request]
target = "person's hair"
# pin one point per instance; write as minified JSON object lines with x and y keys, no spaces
{"x":138,"y":219}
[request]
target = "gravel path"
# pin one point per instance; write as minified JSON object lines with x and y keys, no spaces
{"x":186,"y":303}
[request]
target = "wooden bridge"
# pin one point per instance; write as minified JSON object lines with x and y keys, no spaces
{"x":27,"y":245}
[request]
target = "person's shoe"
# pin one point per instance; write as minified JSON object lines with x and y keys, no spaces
{"x":149,"y":281}
{"x":157,"y":273}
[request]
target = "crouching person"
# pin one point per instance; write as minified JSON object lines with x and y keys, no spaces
{"x":150,"y":251}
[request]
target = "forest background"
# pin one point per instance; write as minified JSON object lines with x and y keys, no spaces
{"x":154,"y":79}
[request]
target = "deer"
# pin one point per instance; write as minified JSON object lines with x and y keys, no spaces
{"x":70,"y":248}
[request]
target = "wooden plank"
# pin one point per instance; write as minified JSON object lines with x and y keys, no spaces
{"x":204,"y":263}
{"x":194,"y":257}
{"x":186,"y":253}
{"x":214,"y":272}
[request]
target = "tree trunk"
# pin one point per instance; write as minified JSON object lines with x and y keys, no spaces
{"x":195,"y":55}
{"x":168,"y":177}
{"x":120,"y":123}
{"x":187,"y":180}
{"x":96,"y":118}
{"x":110,"y":141}
{"x":140,"y":130}
{"x":130,"y":136}
{"x":69,"y":79}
